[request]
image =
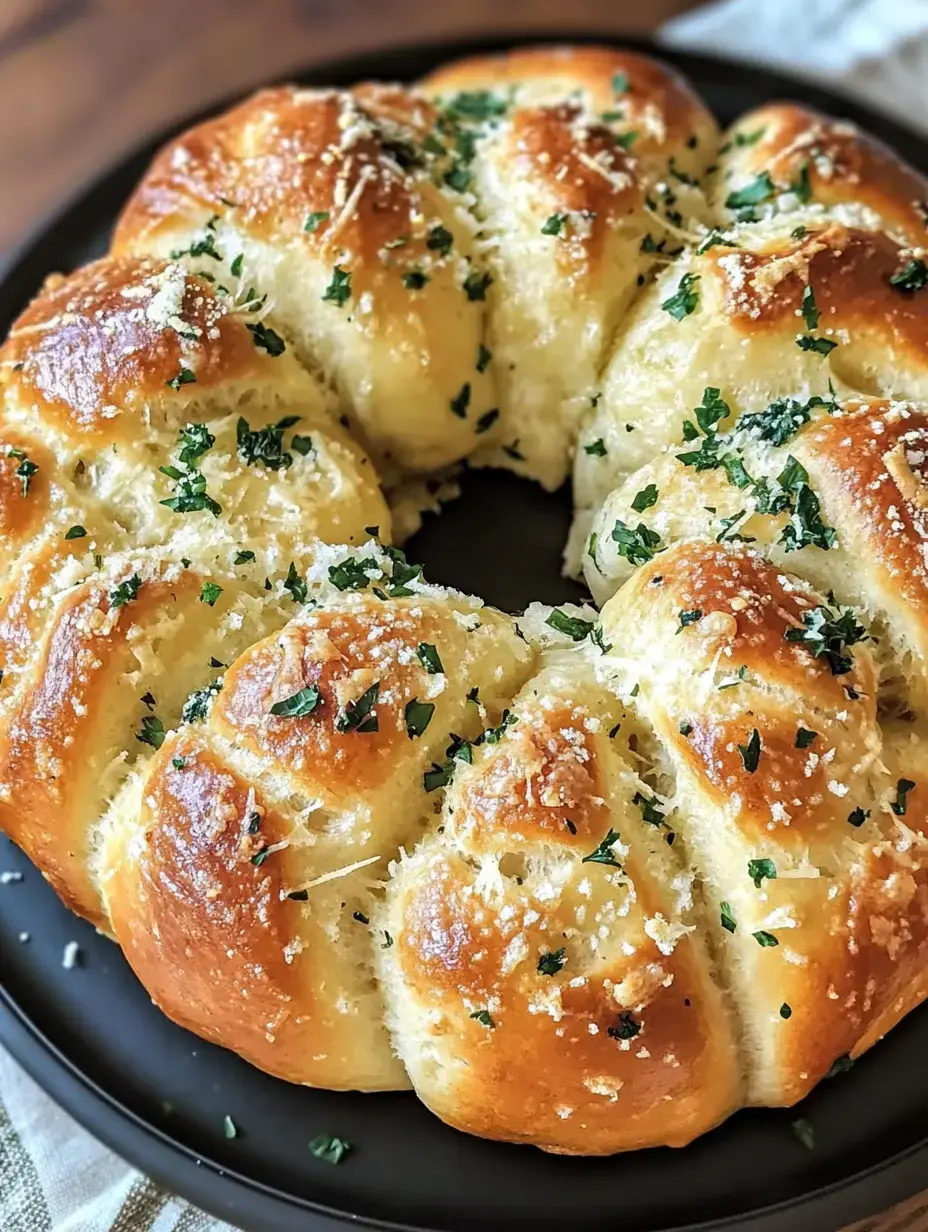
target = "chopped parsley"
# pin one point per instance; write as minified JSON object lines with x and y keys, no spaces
{"x":179,"y":763}
{"x":25,"y":471}
{"x":76,"y":532}
{"x":912,"y":277}
{"x":152,"y":731}
{"x":414,"y":280}
{"x":295,"y":585}
{"x":476,"y":284}
{"x":805,"y":1132}
{"x":338,"y":292}
{"x":759,"y":190}
{"x":264,"y":446}
{"x":828,"y":634}
{"x":235,"y":269}
{"x":758,"y":870}
{"x":764,"y":939}
{"x":229,"y":1127}
{"x":418,"y":716}
{"x":460,"y":402}
{"x":483,"y":1017}
{"x":551,"y":963}
{"x":429,"y":658}
{"x":728,"y":920}
{"x":638,"y":546}
{"x":596,"y":449}
{"x":840,"y":1065}
{"x":626,"y":1028}
{"x":570,"y":626}
{"x":352,"y":573}
{"x":903,"y":787}
{"x":298,"y":704}
{"x":857,"y":817}
{"x":786,"y":1010}
{"x":689,"y":618}
{"x":645,"y":498}
{"x":314,"y":221}
{"x":267,"y":339}
{"x":820,"y":346}
{"x":487,"y":420}
{"x":651,"y":810}
{"x":750,"y":752}
{"x":190,"y":495}
{"x":806,"y":528}
{"x":438,"y":776}
{"x":184,"y":377}
{"x":493,"y":735}
{"x":242,"y":558}
{"x":782,"y":419}
{"x":620,"y":83}
{"x":483,"y":358}
{"x":810,"y":312}
{"x":197,"y":704}
{"x":603,"y":854}
{"x":210,"y":593}
{"x":554,"y":225}
{"x":359,"y":715}
{"x":303,"y":445}
{"x":194,"y":440}
{"x":804,"y":737}
{"x":126,"y":591}
{"x":685,"y":299}
{"x":439,"y":240}
{"x":329,"y":1148}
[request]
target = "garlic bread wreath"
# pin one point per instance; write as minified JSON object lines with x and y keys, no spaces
{"x":586,"y":881}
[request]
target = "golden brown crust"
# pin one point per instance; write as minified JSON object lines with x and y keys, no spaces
{"x":109,"y":339}
{"x":287,"y":153}
{"x":849,"y":272}
{"x":53,"y":745}
{"x":842,"y":165}
{"x":657,"y":102}
{"x":193,"y":878}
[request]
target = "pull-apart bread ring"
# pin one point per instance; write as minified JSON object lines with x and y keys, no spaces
{"x":590,"y":881}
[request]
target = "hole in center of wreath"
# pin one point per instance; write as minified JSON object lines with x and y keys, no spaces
{"x":502,"y":539}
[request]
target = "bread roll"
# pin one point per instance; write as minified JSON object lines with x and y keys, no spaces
{"x":252,"y":851}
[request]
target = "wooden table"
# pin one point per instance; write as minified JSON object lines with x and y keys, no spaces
{"x":82,"y":81}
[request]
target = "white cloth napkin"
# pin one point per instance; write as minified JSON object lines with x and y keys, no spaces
{"x":53,"y":1176}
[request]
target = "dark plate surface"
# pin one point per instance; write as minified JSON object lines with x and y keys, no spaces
{"x":158,"y":1096}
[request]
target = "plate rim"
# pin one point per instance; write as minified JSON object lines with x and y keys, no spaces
{"x":223,"y":1191}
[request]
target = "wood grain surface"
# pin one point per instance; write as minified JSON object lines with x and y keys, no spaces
{"x":82,"y":81}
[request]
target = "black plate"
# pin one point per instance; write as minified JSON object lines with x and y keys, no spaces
{"x":158,"y":1096}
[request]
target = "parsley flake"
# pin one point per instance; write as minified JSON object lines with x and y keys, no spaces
{"x":645,"y":498}
{"x":638,"y":546}
{"x":685,"y":299}
{"x":329,"y":1148}
{"x":820,"y":346}
{"x":266,"y":338}
{"x":903,"y":787}
{"x":912,"y":277}
{"x":626,"y":1028}
{"x":314,"y":221}
{"x":126,"y":591}
{"x":828,"y":634}
{"x":152,"y":731}
{"x":570,"y":626}
{"x":758,"y":870}
{"x":184,"y":377}
{"x":298,"y":704}
{"x":483,"y":1017}
{"x":210,"y":593}
{"x":764,"y":939}
{"x":429,"y":658}
{"x":603,"y":853}
{"x":551,"y":963}
{"x":338,"y":292}
{"x":418,"y":716}
{"x":728,"y":920}
{"x":76,"y":532}
{"x":750,"y":752}
{"x":359,"y":715}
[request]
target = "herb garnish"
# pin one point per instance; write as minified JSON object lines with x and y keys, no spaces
{"x":359,"y":715}
{"x":685,"y":299}
{"x":329,"y":1148}
{"x":638,"y":546}
{"x":570,"y":626}
{"x":338,"y":292}
{"x":429,"y":658}
{"x":266,"y":338}
{"x":758,"y":870}
{"x":603,"y":853}
{"x":265,"y":445}
{"x":828,"y":634}
{"x":750,"y":752}
{"x":303,"y":702}
{"x":551,"y":963}
{"x":125,"y":592}
{"x":152,"y":731}
{"x":418,"y":716}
